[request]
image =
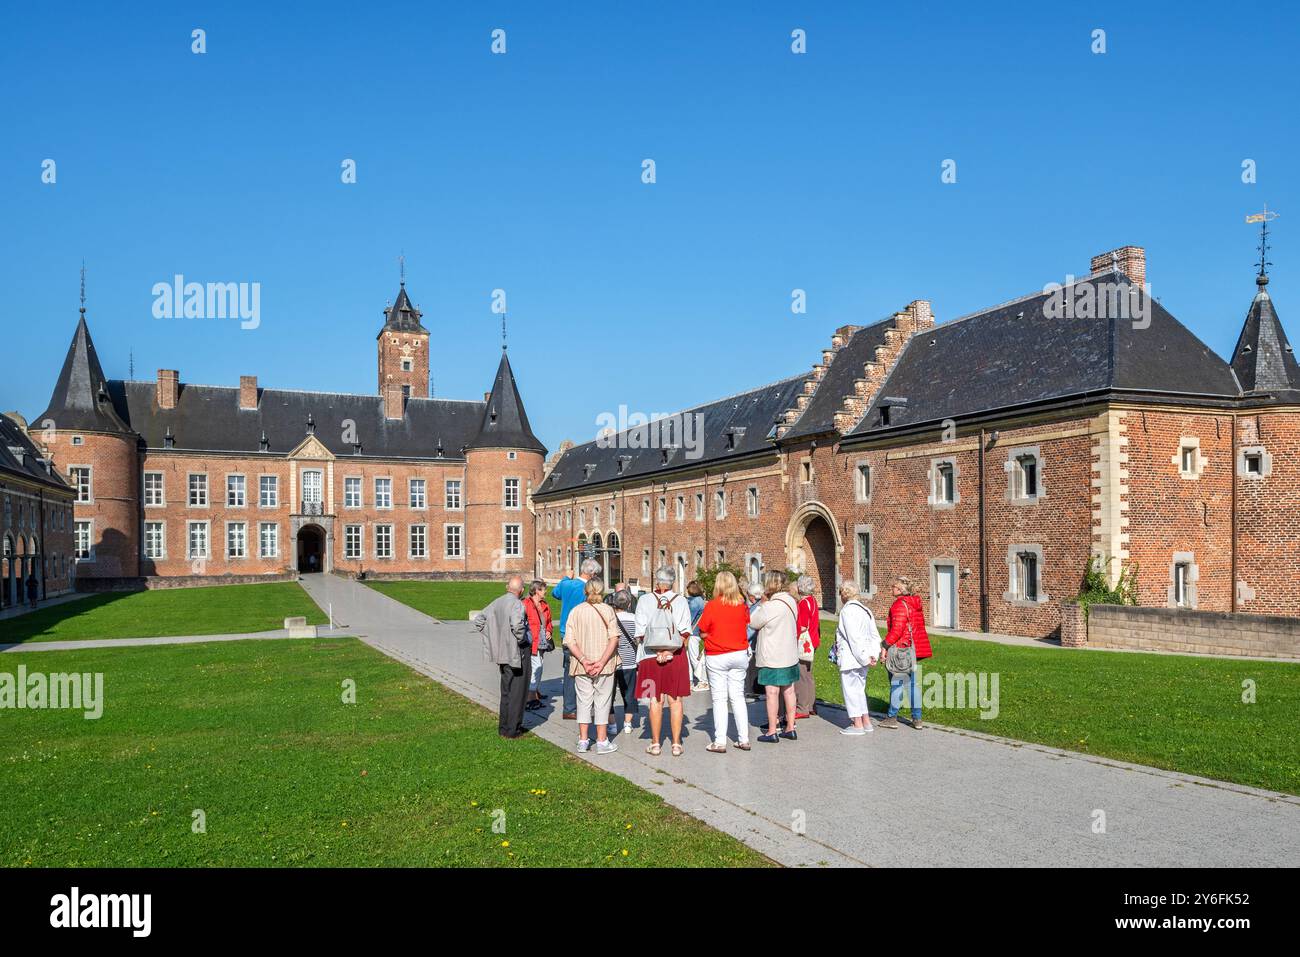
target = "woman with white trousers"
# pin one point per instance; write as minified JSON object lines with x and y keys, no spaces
{"x":857,"y":648}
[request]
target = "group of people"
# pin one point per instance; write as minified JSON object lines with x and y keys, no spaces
{"x":660,"y":646}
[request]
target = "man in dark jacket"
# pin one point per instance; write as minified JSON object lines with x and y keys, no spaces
{"x":33,"y":590}
{"x":507,"y":643}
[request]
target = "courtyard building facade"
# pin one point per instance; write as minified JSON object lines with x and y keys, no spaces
{"x":993,"y":459}
{"x":177,"y":483}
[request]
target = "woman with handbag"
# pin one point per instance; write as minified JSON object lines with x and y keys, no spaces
{"x":538,"y":613}
{"x":778,"y":654}
{"x":905,"y":643}
{"x":625,"y":676}
{"x":591,"y":636}
{"x":810,"y":639}
{"x":856,"y":649}
{"x":724,"y":626}
{"x":663,"y":675}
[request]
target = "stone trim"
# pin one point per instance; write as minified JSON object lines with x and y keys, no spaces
{"x":932,"y":474}
{"x":1265,"y":464}
{"x":1193,"y":576}
{"x":1199,"y":462}
{"x":1110,"y":537}
{"x":1013,"y":570}
{"x":1012,"y":468}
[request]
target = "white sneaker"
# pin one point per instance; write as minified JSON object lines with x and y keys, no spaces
{"x":628,"y":729}
{"x":606,"y":747}
{"x":584,"y":745}
{"x":852,"y":730}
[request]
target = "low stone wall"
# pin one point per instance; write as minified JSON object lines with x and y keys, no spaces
{"x":179,"y":581}
{"x":1193,"y":632}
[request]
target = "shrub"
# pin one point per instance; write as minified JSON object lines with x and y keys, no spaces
{"x":1096,"y":589}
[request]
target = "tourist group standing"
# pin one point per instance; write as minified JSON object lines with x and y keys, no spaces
{"x":660,"y":646}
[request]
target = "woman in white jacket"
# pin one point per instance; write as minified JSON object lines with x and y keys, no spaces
{"x":857,"y":648}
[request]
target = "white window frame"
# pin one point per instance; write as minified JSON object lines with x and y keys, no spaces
{"x":422,"y":496}
{"x":383,"y":500}
{"x":161,"y":553}
{"x":752,"y":506}
{"x":89,"y":529}
{"x":354,"y":491}
{"x":1189,"y":444}
{"x":357,"y":532}
{"x":230,"y":528}
{"x":233,"y":487}
{"x":518,"y":549}
{"x":453,"y":540}
{"x":1017,"y":588}
{"x":452,"y":497}
{"x":720,"y":503}
{"x":149,"y":500}
{"x":1188,"y":600}
{"x":190,"y":527}
{"x":511,"y":494}
{"x":423,"y":534}
{"x":383,"y":535}
{"x":1017,"y":491}
{"x":190,"y":489}
{"x":262,"y":529}
{"x":937,"y":497}
{"x":75,"y":482}
{"x":262,"y":490}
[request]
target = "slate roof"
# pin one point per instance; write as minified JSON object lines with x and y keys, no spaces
{"x":1263,"y":358}
{"x":755,"y":412}
{"x":402,"y":316}
{"x":504,"y":423}
{"x":1015,"y":355}
{"x":80,"y":399}
{"x":846,"y":366}
{"x":28,"y":465}
{"x":208,"y":418}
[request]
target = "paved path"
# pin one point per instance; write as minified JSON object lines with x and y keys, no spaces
{"x":892,"y":798}
{"x":170,"y":640}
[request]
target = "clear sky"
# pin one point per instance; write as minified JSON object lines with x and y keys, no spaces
{"x":523,"y":172}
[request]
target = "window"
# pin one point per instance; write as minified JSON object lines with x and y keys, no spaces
{"x":1025,"y":471}
{"x":862,"y":482}
{"x":352,"y":492}
{"x":383,"y":493}
{"x":512,"y":541}
{"x":416,"y":491}
{"x":1024,"y":574}
{"x":198,"y":540}
{"x":1254,"y":463}
{"x":383,"y":541}
{"x":679,"y":508}
{"x":407,"y":365}
{"x":805,"y":470}
{"x":663,"y":509}
{"x":235,"y":491}
{"x":81,"y":541}
{"x":154,"y":540}
{"x":452,"y":489}
{"x":419,"y":541}
{"x":751,"y":501}
{"x":1027,"y":577}
{"x":1182,"y":584}
{"x":268,"y":540}
{"x":269,"y":491}
{"x":452,"y":536}
{"x":699,"y":559}
{"x":512,"y":456}
{"x":720,"y":504}
{"x":663,"y":558}
{"x":1188,"y":454}
{"x":721,"y":555}
{"x":943,"y":481}
{"x":645,"y":510}
{"x":582,"y":518}
{"x":595,"y":517}
{"x":511,"y":493}
{"x":198,"y":491}
{"x":645,"y":561}
{"x":352,"y":541}
{"x":754,"y":568}
{"x":864,"y":562}
{"x":568,"y":518}
{"x":153,"y":489}
{"x":613,"y":514}
{"x":236,"y":540}
{"x":548,"y":520}
{"x":79,"y":477}
{"x":1189,"y":461}
{"x":699,"y":506}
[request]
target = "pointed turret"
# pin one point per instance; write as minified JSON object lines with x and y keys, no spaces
{"x":80,"y":400}
{"x":505,"y":423}
{"x":1263,"y":359}
{"x":402,"y":316}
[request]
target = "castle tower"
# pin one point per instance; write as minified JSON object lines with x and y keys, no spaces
{"x":504,"y":465}
{"x":97,"y":452}
{"x":403,"y":348}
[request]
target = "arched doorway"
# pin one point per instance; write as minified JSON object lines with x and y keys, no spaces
{"x":613,"y":560}
{"x":813,"y":547}
{"x":7,"y":593}
{"x":311,"y":548}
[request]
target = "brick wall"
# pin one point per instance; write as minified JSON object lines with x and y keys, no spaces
{"x":114,"y":506}
{"x":1186,"y":630}
{"x":1268,"y":518}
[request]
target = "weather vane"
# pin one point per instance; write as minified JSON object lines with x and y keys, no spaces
{"x":83,"y":287}
{"x":401,"y":266}
{"x":1264,"y":218}
{"x":503,"y":332}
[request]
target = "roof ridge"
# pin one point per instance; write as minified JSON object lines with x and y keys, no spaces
{"x":261,"y":388}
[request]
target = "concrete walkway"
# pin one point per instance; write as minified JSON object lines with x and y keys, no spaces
{"x":893,"y":798}
{"x":128,"y":642}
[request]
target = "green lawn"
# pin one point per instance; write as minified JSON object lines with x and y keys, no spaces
{"x":255,"y":735}
{"x":1168,"y":711}
{"x":210,"y":610}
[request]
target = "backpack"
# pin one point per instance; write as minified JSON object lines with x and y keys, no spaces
{"x":660,"y":635}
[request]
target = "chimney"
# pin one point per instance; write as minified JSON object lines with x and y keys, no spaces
{"x":919,"y":310}
{"x":487,"y":396}
{"x":169,"y":388}
{"x":394,"y":401}
{"x":1131,"y":260}
{"x":248,"y":392}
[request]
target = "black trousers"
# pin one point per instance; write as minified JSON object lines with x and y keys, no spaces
{"x":514,"y":694}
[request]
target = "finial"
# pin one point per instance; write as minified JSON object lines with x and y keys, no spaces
{"x":401,"y":266}
{"x":130,"y":374}
{"x":1264,"y":218}
{"x":83,"y":287}
{"x":503,"y":332}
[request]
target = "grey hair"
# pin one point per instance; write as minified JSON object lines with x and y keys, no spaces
{"x":755,"y":590}
{"x":622,"y":600}
{"x":848,"y":591}
{"x":773,"y":581}
{"x":806,"y":585}
{"x":538,"y":586}
{"x":589,"y":567}
{"x":515,"y":584}
{"x":665,"y":576}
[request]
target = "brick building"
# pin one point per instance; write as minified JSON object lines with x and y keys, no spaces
{"x":36,"y":525}
{"x":178,"y":483}
{"x":991,"y":458}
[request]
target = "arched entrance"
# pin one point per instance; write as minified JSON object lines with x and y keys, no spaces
{"x":311,"y":548}
{"x":613,"y":560}
{"x":813,"y":547}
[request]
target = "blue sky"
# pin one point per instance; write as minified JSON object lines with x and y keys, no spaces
{"x":522,"y":171}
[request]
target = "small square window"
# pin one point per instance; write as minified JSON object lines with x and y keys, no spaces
{"x":1254,"y":463}
{"x":1189,"y":458}
{"x":805,"y":470}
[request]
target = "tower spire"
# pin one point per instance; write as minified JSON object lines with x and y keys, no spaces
{"x":83,"y":287}
{"x":1264,"y":218}
{"x":503,"y":332}
{"x":401,"y":267}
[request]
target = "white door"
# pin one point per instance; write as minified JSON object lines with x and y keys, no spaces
{"x":944,"y":606}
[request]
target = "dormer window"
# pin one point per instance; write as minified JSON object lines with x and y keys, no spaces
{"x":588,"y":470}
{"x":734,"y":435}
{"x":622,"y":461}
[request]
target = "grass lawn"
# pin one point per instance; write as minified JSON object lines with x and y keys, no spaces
{"x":1168,"y":711}
{"x":255,"y":735}
{"x":210,"y":610}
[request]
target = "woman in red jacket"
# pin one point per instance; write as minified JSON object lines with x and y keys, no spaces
{"x":907,"y":635}
{"x":539,"y":625}
{"x":810,"y":620}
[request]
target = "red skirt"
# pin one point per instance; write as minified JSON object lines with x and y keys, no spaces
{"x":654,"y":679}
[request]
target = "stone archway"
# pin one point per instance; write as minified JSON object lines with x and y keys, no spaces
{"x":311,"y":548}
{"x":812,"y":546}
